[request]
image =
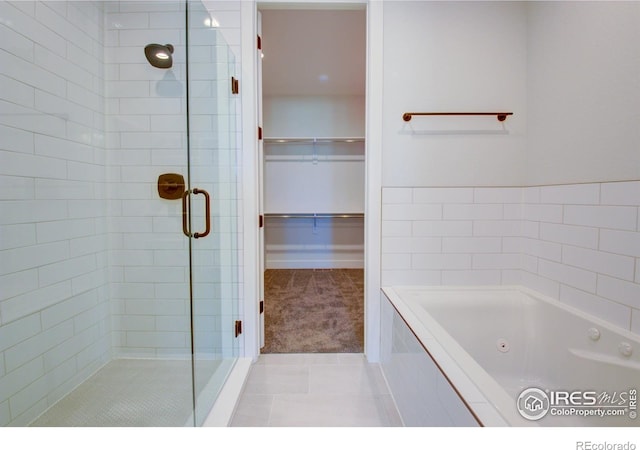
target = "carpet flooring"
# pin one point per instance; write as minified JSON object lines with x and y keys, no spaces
{"x":314,"y":311}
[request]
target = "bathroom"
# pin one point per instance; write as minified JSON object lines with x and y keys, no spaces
{"x":547,"y":198}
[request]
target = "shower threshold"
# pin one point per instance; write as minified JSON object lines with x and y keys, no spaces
{"x":131,"y":393}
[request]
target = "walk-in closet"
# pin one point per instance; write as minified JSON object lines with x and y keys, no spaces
{"x":313,"y":177}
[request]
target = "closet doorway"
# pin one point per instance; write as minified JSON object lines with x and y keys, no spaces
{"x":312,"y":70}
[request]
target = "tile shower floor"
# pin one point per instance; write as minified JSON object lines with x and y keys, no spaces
{"x":315,"y":389}
{"x":131,"y":393}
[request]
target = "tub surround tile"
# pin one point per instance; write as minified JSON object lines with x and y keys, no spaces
{"x":621,"y":291}
{"x":471,"y":277}
{"x":406,"y":244}
{"x":571,"y":194}
{"x":635,"y":321}
{"x":611,"y":311}
{"x":495,"y":261}
{"x":472,"y":212}
{"x":498,"y":228}
{"x":440,"y":261}
{"x":441,"y":228}
{"x":471,"y":245}
{"x":577,"y":241}
{"x":442,"y":195}
{"x":620,"y":242}
{"x":500,"y":195}
{"x":414,"y":211}
{"x":543,"y":213}
{"x":571,"y":276}
{"x":620,"y":193}
{"x":599,"y":262}
{"x":579,"y":236}
{"x":603,"y":216}
{"x":396,"y":228}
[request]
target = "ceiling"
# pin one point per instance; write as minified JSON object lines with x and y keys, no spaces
{"x":313,"y":52}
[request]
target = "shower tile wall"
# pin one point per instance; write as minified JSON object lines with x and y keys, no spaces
{"x":87,"y":126}
{"x":579,"y":243}
{"x":146,"y":122}
{"x":54,"y":310}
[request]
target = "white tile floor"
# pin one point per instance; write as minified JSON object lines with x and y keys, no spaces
{"x":315,"y":389}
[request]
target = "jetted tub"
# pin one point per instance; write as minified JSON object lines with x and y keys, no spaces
{"x":518,"y":358}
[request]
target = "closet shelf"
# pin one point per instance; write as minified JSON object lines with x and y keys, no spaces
{"x":314,"y":158}
{"x":312,"y":140}
{"x":315,"y":215}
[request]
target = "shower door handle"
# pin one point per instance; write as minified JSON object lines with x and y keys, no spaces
{"x":207,"y":213}
{"x":185,"y":225}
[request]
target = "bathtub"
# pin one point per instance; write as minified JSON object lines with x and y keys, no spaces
{"x":515,"y":357}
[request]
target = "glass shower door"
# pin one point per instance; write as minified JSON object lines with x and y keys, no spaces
{"x":212,"y":205}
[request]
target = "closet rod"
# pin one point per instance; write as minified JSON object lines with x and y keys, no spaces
{"x":316,"y":216}
{"x":501,"y":116}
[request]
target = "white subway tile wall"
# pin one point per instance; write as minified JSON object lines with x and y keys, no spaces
{"x":578,"y":243}
{"x":54,"y":307}
{"x":94,"y":264}
{"x":147,"y":125}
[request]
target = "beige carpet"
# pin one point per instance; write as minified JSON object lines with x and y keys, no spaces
{"x":314,"y":311}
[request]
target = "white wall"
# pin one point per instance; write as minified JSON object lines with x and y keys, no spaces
{"x":583,"y":92}
{"x":313,"y":116}
{"x":54,"y":309}
{"x":527,"y":206}
{"x":451,"y":57}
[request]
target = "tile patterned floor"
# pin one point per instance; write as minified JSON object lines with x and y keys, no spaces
{"x":315,"y":389}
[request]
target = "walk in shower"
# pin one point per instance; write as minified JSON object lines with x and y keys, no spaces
{"x":119,"y":281}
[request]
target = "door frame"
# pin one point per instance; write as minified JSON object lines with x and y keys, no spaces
{"x":251,"y":168}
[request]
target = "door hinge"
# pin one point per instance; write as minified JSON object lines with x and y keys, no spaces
{"x":259,"y":43}
{"x":238,"y":327}
{"x":259,"y":133}
{"x":261,"y":306}
{"x":260,"y":221}
{"x":235,"y":85}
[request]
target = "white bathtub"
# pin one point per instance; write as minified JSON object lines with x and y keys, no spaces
{"x":492,"y":343}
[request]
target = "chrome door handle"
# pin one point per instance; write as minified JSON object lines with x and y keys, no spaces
{"x":207,"y":213}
